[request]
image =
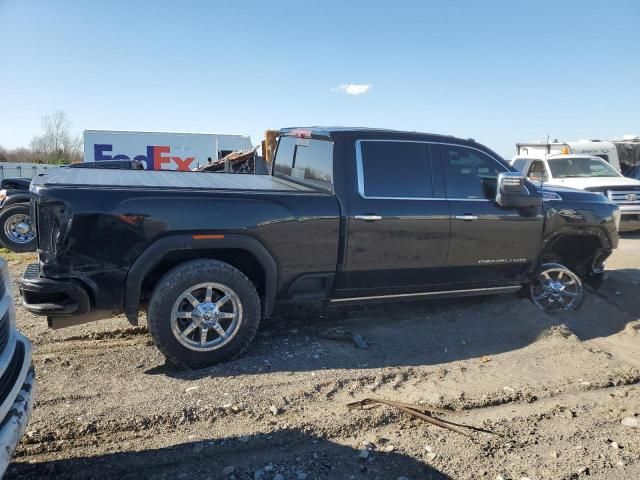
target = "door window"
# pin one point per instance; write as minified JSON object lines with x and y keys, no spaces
{"x":469,"y":173}
{"x":394,"y":169}
{"x":537,"y":172}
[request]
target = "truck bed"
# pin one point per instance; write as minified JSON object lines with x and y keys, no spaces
{"x":153,"y":179}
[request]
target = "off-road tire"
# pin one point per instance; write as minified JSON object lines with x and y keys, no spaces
{"x":5,"y":214}
{"x":181,"y":278}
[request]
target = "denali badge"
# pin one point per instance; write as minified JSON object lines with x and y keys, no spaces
{"x":502,"y":260}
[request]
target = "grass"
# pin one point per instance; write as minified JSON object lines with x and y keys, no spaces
{"x":14,"y":258}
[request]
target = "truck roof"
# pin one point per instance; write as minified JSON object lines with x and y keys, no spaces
{"x":561,"y":156}
{"x":332,"y":132}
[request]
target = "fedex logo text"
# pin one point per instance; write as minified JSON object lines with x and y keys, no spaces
{"x":156,"y":157}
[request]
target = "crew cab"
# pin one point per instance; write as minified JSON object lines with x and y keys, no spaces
{"x":587,"y":172}
{"x":347,"y":215}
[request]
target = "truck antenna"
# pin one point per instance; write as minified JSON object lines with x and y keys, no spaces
{"x":548,"y":146}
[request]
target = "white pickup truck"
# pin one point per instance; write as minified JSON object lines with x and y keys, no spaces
{"x":590,"y":173}
{"x":17,"y":377}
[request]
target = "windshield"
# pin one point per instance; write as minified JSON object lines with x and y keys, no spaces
{"x":581,"y":167}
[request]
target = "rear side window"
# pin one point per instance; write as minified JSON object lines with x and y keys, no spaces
{"x":284,"y":156}
{"x":394,"y":169}
{"x":306,"y":159}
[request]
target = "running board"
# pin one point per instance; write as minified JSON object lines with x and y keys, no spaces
{"x":439,"y":294}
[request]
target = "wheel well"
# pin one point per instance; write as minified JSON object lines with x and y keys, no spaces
{"x":240,"y":259}
{"x":576,"y":251}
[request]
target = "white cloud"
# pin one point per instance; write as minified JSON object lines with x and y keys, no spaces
{"x":353,"y":88}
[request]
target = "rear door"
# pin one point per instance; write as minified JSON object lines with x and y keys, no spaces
{"x":489,"y":244}
{"x":398,"y":218}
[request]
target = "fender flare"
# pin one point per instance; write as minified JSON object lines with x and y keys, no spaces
{"x":567,"y":231}
{"x":154,"y":253}
{"x":17,"y":198}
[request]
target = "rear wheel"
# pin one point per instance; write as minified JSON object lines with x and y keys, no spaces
{"x":556,"y":288}
{"x":16,"y":230}
{"x":203,"y":312}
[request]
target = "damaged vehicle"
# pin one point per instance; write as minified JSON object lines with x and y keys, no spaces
{"x":347,"y":215}
{"x":17,"y":377}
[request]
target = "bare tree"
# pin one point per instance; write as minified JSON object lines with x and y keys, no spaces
{"x":57,"y":144}
{"x":21,"y":154}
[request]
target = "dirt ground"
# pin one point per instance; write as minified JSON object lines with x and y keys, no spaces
{"x":552,"y":390}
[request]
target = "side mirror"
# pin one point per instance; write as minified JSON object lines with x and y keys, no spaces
{"x":511,"y":191}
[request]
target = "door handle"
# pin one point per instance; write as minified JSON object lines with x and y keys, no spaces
{"x":368,"y":218}
{"x":466,"y":217}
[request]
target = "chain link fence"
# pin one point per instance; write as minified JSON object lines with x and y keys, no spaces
{"x":23,"y":170}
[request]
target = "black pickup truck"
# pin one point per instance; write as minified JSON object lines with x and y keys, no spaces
{"x":347,"y":215}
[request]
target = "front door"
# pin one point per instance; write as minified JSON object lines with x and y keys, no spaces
{"x":489,"y":244}
{"x":398,"y":225}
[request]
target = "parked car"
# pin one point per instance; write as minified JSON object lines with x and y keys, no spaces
{"x":17,"y":377}
{"x":346,"y":216}
{"x":589,"y":173}
{"x":16,"y":231}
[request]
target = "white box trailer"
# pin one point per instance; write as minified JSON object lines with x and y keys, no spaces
{"x":161,"y":150}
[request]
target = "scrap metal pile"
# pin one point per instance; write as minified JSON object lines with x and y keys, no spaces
{"x":241,"y":161}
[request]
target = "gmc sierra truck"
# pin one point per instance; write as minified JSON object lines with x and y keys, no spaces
{"x":347,"y":215}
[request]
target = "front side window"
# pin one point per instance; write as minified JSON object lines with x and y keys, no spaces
{"x":577,"y":167}
{"x":537,"y":172}
{"x":468,"y":172}
{"x":395,"y":169}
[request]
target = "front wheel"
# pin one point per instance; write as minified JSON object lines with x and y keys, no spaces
{"x":16,"y":230}
{"x":203,"y":312}
{"x":556,"y":288}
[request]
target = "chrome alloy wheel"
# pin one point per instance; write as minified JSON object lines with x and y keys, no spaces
{"x":556,"y":288}
{"x":18,"y":228}
{"x":206,"y":316}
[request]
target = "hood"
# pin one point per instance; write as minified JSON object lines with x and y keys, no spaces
{"x":575,"y":194}
{"x":592,"y":183}
{"x":16,"y":183}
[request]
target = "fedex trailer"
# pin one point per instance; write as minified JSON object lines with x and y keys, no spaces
{"x":161,"y":150}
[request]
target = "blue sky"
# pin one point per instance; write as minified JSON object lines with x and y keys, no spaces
{"x":497,"y":71}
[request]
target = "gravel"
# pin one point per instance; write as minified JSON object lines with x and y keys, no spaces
{"x":109,"y":407}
